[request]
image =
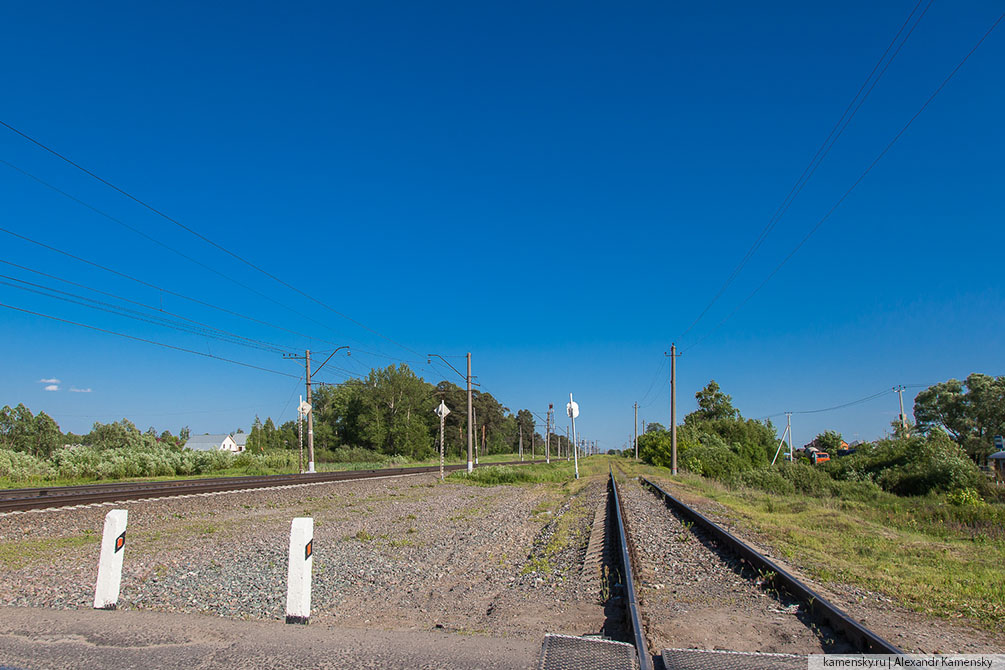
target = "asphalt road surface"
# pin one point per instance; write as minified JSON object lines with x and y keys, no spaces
{"x":43,"y":639}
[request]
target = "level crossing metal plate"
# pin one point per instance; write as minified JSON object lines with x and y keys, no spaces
{"x":707,"y":659}
{"x":566,"y":652}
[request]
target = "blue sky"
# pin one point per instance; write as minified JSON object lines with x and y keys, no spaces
{"x":559,"y":188}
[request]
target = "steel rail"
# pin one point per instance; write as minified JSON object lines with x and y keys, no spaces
{"x":63,"y":496}
{"x":857,"y":634}
{"x":633,"y":610}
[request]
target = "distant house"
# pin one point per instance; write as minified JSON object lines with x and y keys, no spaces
{"x":241,"y":440}
{"x":997,"y":463}
{"x":209,"y":442}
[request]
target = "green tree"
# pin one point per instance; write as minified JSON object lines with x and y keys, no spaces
{"x":269,"y":434}
{"x":47,"y":435}
{"x":829,"y":441}
{"x":396,"y":412}
{"x":525,"y":422}
{"x":654,"y":427}
{"x":22,"y":429}
{"x":713,"y":404}
{"x":971,"y":412}
{"x":256,"y":442}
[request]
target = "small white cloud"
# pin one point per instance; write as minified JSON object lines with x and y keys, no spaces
{"x":73,"y":390}
{"x":48,"y":381}
{"x":52,"y":387}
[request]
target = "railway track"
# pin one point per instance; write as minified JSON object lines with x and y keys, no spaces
{"x":771,"y":578}
{"x":19,"y":500}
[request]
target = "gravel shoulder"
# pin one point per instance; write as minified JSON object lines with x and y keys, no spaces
{"x":395,"y":554}
{"x":911,"y":631}
{"x":695,"y":596}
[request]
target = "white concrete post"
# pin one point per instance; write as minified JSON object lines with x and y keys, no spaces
{"x":113,"y":546}
{"x":298,"y":594}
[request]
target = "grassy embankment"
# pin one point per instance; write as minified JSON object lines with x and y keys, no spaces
{"x":924,"y":553}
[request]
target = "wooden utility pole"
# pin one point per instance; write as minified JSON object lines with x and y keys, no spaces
{"x":310,"y":412}
{"x":547,"y":435}
{"x":636,"y":440}
{"x":471,"y":434}
{"x":673,"y":408}
{"x":483,"y":438}
{"x":788,"y":428}
{"x":310,"y":418}
{"x":521,"y":442}
{"x":903,"y":417}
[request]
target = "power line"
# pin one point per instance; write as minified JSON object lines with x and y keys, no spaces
{"x":836,"y":131}
{"x":161,"y":244}
{"x":141,"y":339}
{"x":663,"y":362}
{"x":128,"y":313}
{"x":204,"y":326}
{"x":847,"y":404}
{"x":203,"y":237}
{"x":158,"y":288}
{"x":858,"y":181}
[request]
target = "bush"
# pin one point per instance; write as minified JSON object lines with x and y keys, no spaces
{"x":910,"y":466}
{"x":769,"y":480}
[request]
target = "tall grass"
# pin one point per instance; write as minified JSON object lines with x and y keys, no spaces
{"x":494,"y":475}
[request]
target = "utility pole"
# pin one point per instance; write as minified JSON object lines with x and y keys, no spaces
{"x":300,"y":429}
{"x":568,"y":445}
{"x":636,"y":440}
{"x":310,"y":417}
{"x":483,"y":438}
{"x":471,"y":420}
{"x":310,"y":412}
{"x":788,"y":427}
{"x":521,"y":442}
{"x":673,"y":407}
{"x":470,"y":427}
{"x":903,"y":417}
{"x":547,"y":434}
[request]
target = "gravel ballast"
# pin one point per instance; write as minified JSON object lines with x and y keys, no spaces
{"x":695,"y":596}
{"x":403,"y":553}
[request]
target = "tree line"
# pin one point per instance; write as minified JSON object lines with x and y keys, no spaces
{"x":40,"y":435}
{"x":390,"y":412}
{"x":952,"y":436}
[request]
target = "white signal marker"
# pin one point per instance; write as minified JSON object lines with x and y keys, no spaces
{"x":298,"y":593}
{"x":113,"y":546}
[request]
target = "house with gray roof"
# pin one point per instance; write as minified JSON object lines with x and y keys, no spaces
{"x":208,"y":442}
